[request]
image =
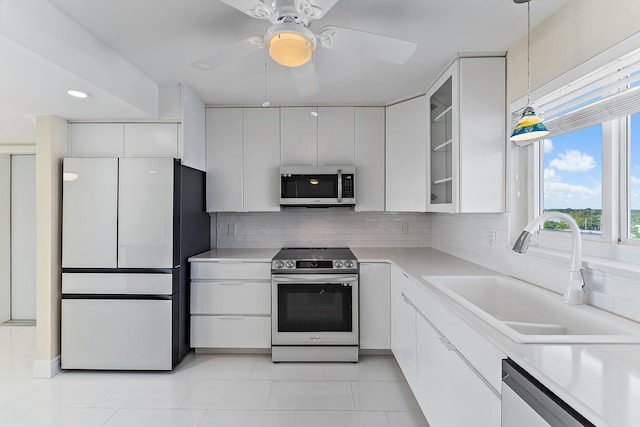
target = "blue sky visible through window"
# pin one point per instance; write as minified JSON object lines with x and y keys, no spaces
{"x":573,"y":170}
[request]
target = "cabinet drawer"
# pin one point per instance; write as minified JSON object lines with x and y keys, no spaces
{"x":231,"y":270}
{"x":231,"y":297}
{"x":230,"y":332}
{"x":483,"y":355}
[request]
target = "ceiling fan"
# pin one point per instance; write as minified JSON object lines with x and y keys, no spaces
{"x":291,"y":43}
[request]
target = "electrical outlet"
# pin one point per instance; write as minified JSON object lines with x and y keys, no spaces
{"x":231,"y":229}
{"x":492,"y":239}
{"x":405,"y":228}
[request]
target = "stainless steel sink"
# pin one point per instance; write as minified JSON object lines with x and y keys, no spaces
{"x":529,"y":314}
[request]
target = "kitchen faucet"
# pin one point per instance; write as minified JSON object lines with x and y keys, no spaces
{"x":574,"y":293}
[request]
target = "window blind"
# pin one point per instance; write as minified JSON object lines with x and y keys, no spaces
{"x":608,"y":93}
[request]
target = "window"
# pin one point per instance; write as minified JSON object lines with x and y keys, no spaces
{"x":572,"y":178}
{"x":633,"y":178}
{"x":589,"y":167}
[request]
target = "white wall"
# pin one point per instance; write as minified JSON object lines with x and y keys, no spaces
{"x":577,"y":32}
{"x":23,"y":234}
{"x":5,"y":237}
{"x":300,"y":227}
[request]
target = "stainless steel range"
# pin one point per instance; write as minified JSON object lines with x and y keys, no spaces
{"x":314,"y":305}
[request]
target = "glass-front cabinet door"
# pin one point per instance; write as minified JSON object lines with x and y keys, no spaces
{"x":442,"y":140}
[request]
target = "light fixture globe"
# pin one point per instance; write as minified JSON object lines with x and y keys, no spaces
{"x":290,"y":44}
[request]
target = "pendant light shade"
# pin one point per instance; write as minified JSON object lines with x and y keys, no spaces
{"x":290,"y":44}
{"x":529,"y":128}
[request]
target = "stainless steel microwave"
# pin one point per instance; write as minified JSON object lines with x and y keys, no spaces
{"x":317,"y":186}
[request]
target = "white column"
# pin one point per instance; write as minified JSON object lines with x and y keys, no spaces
{"x":51,"y":148}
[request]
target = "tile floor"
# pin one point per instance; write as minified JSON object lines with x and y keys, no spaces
{"x":205,"y":390}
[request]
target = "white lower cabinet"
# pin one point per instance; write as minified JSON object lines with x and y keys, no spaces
{"x":231,"y":304}
{"x":230,"y":331}
{"x":450,"y":390}
{"x":375,"y":311}
{"x":403,"y":324}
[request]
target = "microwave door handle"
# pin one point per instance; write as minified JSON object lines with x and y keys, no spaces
{"x":339,"y":185}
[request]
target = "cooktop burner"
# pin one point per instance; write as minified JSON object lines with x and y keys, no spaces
{"x":316,"y":260}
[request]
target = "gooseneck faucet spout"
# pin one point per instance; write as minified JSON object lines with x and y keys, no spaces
{"x":574,"y":293}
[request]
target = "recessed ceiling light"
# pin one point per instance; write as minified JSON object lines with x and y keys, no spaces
{"x":77,"y":93}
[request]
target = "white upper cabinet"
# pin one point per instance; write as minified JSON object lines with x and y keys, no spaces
{"x":96,"y":139}
{"x":406,"y":167}
{"x":466,"y":137}
{"x":90,"y":213}
{"x":369,"y":158}
{"x":299,"y":138}
{"x":325,"y":139}
{"x":224,"y":160}
{"x":151,"y":140}
{"x":243,"y":159}
{"x":261,"y":159}
{"x":336,"y":136}
{"x":124,"y":140}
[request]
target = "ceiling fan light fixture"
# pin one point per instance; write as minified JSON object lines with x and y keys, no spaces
{"x":290,"y":44}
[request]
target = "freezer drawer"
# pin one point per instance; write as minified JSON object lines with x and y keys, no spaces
{"x":117,"y":283}
{"x":116,"y":334}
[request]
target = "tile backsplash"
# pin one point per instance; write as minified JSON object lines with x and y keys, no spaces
{"x":332,"y":227}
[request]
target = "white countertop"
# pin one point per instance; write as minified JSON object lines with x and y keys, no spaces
{"x":601,"y":381}
{"x":236,"y":255}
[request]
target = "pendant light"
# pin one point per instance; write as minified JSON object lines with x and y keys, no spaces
{"x":529,"y":128}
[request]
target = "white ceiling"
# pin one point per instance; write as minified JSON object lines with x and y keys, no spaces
{"x":120,"y":50}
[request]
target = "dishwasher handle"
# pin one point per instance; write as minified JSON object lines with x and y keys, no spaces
{"x":543,"y":401}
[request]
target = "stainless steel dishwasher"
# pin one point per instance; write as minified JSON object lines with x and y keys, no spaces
{"x":528,"y":403}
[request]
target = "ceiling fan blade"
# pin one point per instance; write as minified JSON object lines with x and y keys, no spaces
{"x":230,"y":53}
{"x":253,"y":8}
{"x":311,"y":10}
{"x":377,"y":46}
{"x":305,"y":79}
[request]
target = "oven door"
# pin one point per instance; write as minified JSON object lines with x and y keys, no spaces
{"x":314,"y":309}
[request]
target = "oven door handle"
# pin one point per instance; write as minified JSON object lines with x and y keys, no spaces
{"x":313,"y":278}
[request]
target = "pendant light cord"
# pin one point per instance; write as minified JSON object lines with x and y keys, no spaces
{"x":528,"y":53}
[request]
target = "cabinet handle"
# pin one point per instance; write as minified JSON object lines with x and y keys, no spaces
{"x":230,"y":317}
{"x":230,"y":283}
{"x":406,"y":300}
{"x":405,"y":275}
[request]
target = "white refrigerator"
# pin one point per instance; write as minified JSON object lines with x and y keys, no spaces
{"x":128,"y":227}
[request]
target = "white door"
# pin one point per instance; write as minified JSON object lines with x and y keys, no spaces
{"x":145,"y":213}
{"x":89,"y":213}
{"x":23,"y":237}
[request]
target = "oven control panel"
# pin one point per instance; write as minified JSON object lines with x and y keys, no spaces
{"x":314,"y":264}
